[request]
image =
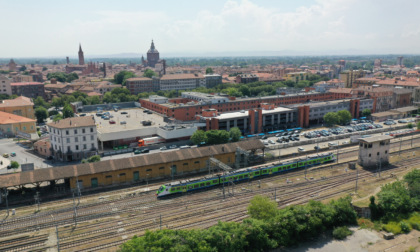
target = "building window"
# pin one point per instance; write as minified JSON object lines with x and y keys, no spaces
{"x":68,"y":148}
{"x":77,"y":147}
{"x":91,"y":129}
{"x":76,"y":139}
{"x":67,"y":132}
{"x":377,"y":154}
{"x":149,"y":170}
{"x":68,"y":140}
{"x":93,"y":146}
{"x":370,"y":155}
{"x":84,"y":146}
{"x":91,"y":137}
{"x":75,"y":131}
{"x":386,"y":152}
{"x":83,"y":131}
{"x":84,"y":138}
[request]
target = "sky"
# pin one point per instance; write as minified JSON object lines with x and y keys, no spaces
{"x":51,"y":28}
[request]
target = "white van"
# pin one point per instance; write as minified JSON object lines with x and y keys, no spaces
{"x":332,"y":144}
{"x":185,"y":147}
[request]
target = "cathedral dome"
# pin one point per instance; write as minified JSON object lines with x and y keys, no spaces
{"x":152,"y":48}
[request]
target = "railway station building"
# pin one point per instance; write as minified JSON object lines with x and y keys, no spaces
{"x":374,"y":151}
{"x":136,"y":169}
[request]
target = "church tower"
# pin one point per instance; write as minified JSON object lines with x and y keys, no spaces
{"x":152,"y":55}
{"x":81,"y":57}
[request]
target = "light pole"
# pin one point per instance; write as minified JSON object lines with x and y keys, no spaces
{"x":147,"y":180}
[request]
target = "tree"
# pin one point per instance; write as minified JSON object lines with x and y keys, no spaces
{"x":55,"y":62}
{"x":41,"y":114}
{"x":413,"y":182}
{"x":366,"y":112}
{"x":418,"y":125}
{"x":67,"y":111}
{"x":40,"y":102}
{"x":345,"y":116}
{"x":22,"y":68}
{"x":394,"y":199}
{"x":235,"y":134}
{"x":57,"y":102}
{"x":122,"y":76}
{"x":149,"y":73}
{"x":198,"y":137}
{"x":209,"y":70}
{"x":410,"y":126}
{"x":331,"y":118}
{"x":217,"y":136}
{"x":44,"y":69}
{"x":262,"y":208}
{"x":57,"y":117}
{"x":14,"y":164}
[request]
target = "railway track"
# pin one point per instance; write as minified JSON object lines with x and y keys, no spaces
{"x":148,"y":208}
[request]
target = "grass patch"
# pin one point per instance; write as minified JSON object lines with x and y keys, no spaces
{"x":340,"y":233}
{"x":365,"y":223}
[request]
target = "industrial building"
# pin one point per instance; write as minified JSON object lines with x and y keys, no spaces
{"x":137,"y":169}
{"x":374,"y":151}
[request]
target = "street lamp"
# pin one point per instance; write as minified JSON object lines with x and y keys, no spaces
{"x":147,"y":180}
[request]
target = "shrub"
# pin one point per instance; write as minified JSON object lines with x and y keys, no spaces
{"x":94,"y":158}
{"x":405,"y":227}
{"x":340,"y":233}
{"x":14,"y":164}
{"x":392,"y":227}
{"x":365,"y":223}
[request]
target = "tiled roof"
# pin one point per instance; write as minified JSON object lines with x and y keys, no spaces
{"x":73,"y":122}
{"x":19,"y":101}
{"x":341,"y":90}
{"x":139,"y":79}
{"x":181,"y":76}
{"x":69,"y":171}
{"x":25,"y":83}
{"x":7,"y":118}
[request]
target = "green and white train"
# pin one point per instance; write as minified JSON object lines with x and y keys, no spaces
{"x":184,"y":186}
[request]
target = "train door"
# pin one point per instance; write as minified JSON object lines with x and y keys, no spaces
{"x":270,"y":171}
{"x":173,"y":170}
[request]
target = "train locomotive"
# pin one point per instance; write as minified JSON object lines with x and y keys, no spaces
{"x":184,"y":186}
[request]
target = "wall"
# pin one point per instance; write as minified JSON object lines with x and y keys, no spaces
{"x":25,"y":111}
{"x":155,"y":171}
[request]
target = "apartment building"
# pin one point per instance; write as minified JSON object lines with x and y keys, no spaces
{"x":5,"y":87}
{"x":73,"y":138}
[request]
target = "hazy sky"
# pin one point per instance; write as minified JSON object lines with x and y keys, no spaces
{"x":49,"y":28}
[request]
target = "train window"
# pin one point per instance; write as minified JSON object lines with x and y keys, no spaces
{"x":172,"y":189}
{"x":245,"y":175}
{"x":184,"y":187}
{"x":202,"y":184}
{"x":185,"y":163}
{"x":196,"y":162}
{"x":257,"y":173}
{"x":109,"y":176}
{"x":190,"y":187}
{"x":214,"y":181}
{"x":207,"y":183}
{"x":240,"y":177}
{"x":196,"y":186}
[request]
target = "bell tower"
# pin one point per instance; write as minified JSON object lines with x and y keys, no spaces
{"x":81,"y":57}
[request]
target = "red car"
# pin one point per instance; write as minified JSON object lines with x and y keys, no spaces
{"x":111,"y":122}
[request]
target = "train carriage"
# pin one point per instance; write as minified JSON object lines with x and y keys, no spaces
{"x":243,"y":174}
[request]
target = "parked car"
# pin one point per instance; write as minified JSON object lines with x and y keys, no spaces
{"x":265,"y":142}
{"x":82,"y":114}
{"x":137,"y":152}
{"x":271,"y":141}
{"x":345,"y":142}
{"x":264,"y":137}
{"x":185,"y":147}
{"x":173,"y":146}
{"x":163,"y":148}
{"x":6,"y":155}
{"x":123,"y":122}
{"x":111,"y":122}
{"x":300,"y":149}
{"x":316,"y":147}
{"x":13,"y":154}
{"x":123,"y":113}
{"x":332,"y":144}
{"x":145,"y":150}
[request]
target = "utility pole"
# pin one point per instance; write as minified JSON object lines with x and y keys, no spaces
{"x":36,"y":197}
{"x":58,"y":238}
{"x":74,"y":211}
{"x":400,"y":145}
{"x":357,"y":178}
{"x":337,"y":152}
{"x":6,"y":193}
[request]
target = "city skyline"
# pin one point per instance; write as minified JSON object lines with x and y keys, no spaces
{"x":230,"y":28}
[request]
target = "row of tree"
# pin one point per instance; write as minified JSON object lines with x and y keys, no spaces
{"x":397,"y":199}
{"x":216,"y":136}
{"x":63,"y":77}
{"x":342,"y":117}
{"x":267,"y":228}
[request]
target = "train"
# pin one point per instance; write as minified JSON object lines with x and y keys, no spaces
{"x":184,"y":186}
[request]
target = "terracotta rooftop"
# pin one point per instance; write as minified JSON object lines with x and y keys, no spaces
{"x":7,"y":118}
{"x":25,"y":83}
{"x":73,"y":122}
{"x":70,"y":171}
{"x":181,"y":76}
{"x":19,"y":101}
{"x":341,"y":90}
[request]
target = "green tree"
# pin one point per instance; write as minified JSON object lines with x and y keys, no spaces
{"x":366,"y":112}
{"x":331,"y":118}
{"x":149,"y":73}
{"x":410,"y":126}
{"x":262,"y":208}
{"x":209,"y":70}
{"x":40,"y":102}
{"x":55,"y":62}
{"x":14,"y":164}
{"x":418,"y":125}
{"x":217,"y":136}
{"x":345,"y":116}
{"x":413,"y":182}
{"x":198,"y":137}
{"x":22,"y":68}
{"x":57,"y":117}
{"x":44,"y":69}
{"x":41,"y":114}
{"x":394,"y":199}
{"x":68,"y":111}
{"x":57,"y":102}
{"x":93,"y":100}
{"x":122,"y":76}
{"x":235,"y":134}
